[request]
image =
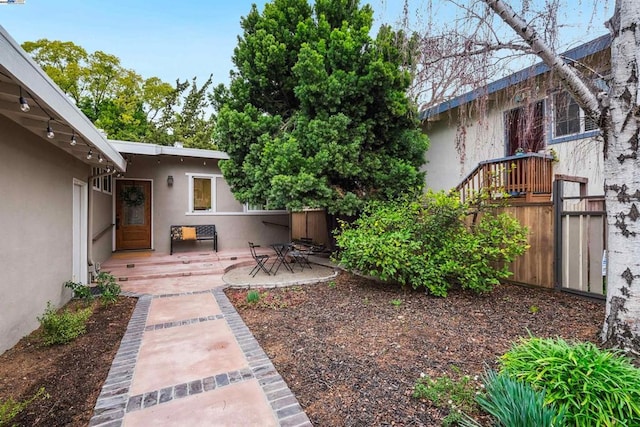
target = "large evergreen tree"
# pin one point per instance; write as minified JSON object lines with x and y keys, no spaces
{"x":316,"y":114}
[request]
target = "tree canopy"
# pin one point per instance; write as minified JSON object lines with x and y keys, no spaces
{"x":316,"y":114}
{"x":121,"y":102}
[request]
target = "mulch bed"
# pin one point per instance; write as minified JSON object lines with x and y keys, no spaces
{"x":71,"y":374}
{"x":351,"y":350}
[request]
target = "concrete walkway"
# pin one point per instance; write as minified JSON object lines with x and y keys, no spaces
{"x":187,"y":358}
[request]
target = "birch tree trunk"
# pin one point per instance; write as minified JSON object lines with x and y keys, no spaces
{"x":618,"y":113}
{"x":622,"y":185}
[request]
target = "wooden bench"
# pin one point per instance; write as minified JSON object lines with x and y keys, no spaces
{"x":202,"y":232}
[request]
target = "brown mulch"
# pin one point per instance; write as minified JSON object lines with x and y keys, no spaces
{"x":71,"y":374}
{"x":351,"y":356}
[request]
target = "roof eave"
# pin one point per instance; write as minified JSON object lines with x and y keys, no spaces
{"x":33,"y":79}
{"x":147,"y":149}
{"x":579,"y":52}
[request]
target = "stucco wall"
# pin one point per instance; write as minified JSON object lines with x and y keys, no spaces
{"x":171,"y":204}
{"x":455,"y":151}
{"x":36,"y":183}
{"x":102,"y":219}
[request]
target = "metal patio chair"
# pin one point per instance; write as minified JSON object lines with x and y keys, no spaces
{"x":261,"y":260}
{"x":300,"y":256}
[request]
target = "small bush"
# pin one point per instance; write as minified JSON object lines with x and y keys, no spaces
{"x":428,"y":243}
{"x":109,"y":289}
{"x":596,"y":387}
{"x":253,"y":296}
{"x":9,"y":408}
{"x":80,"y":291}
{"x":60,"y":328}
{"x":444,"y":392}
{"x":516,"y":404}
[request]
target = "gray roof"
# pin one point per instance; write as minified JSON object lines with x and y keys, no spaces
{"x":574,"y":54}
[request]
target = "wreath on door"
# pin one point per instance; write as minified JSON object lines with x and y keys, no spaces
{"x":132,"y":196}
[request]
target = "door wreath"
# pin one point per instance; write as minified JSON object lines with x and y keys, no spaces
{"x":132,"y":196}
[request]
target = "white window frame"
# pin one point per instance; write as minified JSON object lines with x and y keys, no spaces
{"x":107,"y":179}
{"x":582,"y":132}
{"x":249,"y":208}
{"x":213,"y":178}
{"x":96,"y":183}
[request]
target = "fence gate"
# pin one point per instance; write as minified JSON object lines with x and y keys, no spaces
{"x":580,"y":223}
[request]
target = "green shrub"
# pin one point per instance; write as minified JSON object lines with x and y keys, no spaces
{"x":513,"y":403}
{"x":80,"y":291}
{"x":253,"y":296}
{"x":427,"y":242}
{"x":109,"y":289}
{"x":9,"y":408}
{"x":596,"y":387}
{"x":60,"y":328}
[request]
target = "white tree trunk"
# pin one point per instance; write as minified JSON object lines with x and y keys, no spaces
{"x":622,"y":187}
{"x":619,"y":115}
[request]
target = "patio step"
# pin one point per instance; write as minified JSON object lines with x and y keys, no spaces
{"x":163,"y":266}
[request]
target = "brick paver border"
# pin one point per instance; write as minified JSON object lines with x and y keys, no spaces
{"x":114,"y":400}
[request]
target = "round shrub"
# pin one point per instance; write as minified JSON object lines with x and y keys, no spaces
{"x":429,"y":242}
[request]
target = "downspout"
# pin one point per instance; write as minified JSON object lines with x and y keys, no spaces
{"x":90,"y":261}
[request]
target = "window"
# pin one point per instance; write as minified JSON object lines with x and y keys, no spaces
{"x":97,"y":182}
{"x":202,"y":194}
{"x":210,"y":194}
{"x":568,"y":118}
{"x":101,"y":183}
{"x":107,"y":182}
{"x":249,"y":207}
{"x":525,"y":128}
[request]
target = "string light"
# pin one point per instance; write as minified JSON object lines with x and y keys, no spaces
{"x":89,"y":154}
{"x":50,"y":133}
{"x":24,"y":105}
{"x":73,"y":141}
{"x":100,"y":159}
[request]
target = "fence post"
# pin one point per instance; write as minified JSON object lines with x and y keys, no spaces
{"x":557,"y":232}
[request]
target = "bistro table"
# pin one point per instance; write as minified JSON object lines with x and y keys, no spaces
{"x":281,"y":250}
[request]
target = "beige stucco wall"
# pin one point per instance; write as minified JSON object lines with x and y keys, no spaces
{"x":102,"y":219}
{"x":171,"y":203}
{"x":36,"y":183}
{"x":483,"y":138}
{"x":454,"y":152}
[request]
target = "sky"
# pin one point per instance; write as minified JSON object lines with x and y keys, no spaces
{"x":183,"y":39}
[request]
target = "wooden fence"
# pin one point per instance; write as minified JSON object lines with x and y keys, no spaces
{"x":310,"y":224}
{"x":536,"y":266}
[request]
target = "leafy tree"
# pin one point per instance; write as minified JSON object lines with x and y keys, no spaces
{"x":615,"y":109}
{"x":617,"y":113}
{"x":121,"y":102}
{"x":316,"y":113}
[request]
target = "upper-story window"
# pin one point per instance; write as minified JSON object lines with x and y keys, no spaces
{"x":569,"y":119}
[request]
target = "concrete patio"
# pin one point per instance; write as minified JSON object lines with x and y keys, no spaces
{"x":187,"y":358}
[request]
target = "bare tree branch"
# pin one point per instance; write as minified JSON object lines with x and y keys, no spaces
{"x":568,"y":76}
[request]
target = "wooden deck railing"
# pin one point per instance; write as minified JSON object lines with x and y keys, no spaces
{"x":526,"y":176}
